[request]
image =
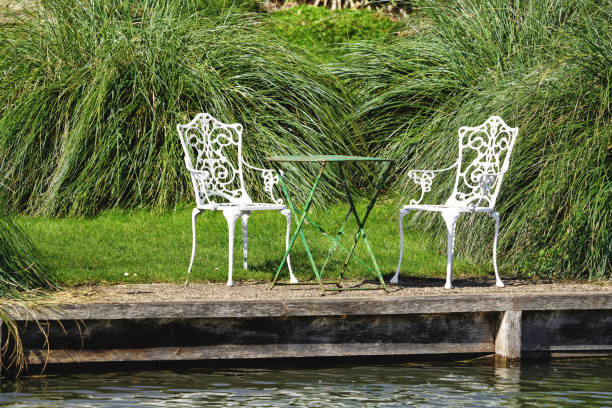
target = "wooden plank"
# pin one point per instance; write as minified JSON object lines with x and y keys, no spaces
{"x":147,"y":333}
{"x":576,"y":354}
{"x":563,"y":329}
{"x":581,"y":355}
{"x":567,"y":301}
{"x":350,"y":329}
{"x":581,"y":347}
{"x":271,"y":308}
{"x":250,"y":351}
{"x":316,"y":307}
{"x":396,"y":306}
{"x":508,"y":344}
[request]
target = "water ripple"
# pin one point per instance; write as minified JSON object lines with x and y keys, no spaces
{"x":424,"y":385}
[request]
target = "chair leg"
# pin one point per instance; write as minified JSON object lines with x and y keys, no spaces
{"x":450,"y":217}
{"x":402,"y":214}
{"x":498,"y":281}
{"x":194,"y":215}
{"x":287,"y":214}
{"x":245,"y":234}
{"x":231,"y":217}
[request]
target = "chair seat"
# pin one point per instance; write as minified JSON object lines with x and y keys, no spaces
{"x":441,"y":208}
{"x":242,"y":207}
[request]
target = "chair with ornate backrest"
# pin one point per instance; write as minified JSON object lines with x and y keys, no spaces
{"x":484,"y":157}
{"x":213,"y":156}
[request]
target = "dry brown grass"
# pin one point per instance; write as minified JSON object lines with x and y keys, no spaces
{"x":10,"y":9}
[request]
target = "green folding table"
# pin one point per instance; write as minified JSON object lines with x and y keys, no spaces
{"x":302,"y":215}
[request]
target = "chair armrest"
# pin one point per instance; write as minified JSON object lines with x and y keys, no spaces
{"x":424,"y":178}
{"x":270,"y":179}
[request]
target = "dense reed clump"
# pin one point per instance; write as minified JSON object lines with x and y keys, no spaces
{"x":24,"y":275}
{"x":22,"y":267}
{"x":92,"y":92}
{"x":545,"y":67}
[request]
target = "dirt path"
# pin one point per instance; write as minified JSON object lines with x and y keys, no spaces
{"x":164,"y":292}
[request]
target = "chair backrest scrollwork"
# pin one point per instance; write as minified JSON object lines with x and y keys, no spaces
{"x":214,"y":150}
{"x":484,"y":157}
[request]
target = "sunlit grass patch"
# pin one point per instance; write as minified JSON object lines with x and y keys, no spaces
{"x":139,"y":247}
{"x":325,"y":32}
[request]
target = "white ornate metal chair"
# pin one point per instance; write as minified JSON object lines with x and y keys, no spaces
{"x":484,"y":157}
{"x":213,"y":156}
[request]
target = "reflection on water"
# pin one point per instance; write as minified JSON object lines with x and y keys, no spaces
{"x":582,"y":384}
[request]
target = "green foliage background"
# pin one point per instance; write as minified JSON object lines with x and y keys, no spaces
{"x":21,"y":266}
{"x":92,"y":90}
{"x":324,"y":32}
{"x":543,"y":67}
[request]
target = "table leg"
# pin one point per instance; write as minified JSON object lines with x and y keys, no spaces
{"x":303,"y":216}
{"x":335,"y":240}
{"x":300,"y":222}
{"x":336,"y":243}
{"x":312,"y":262}
{"x":361,"y":224}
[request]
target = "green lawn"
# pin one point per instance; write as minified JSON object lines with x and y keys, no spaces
{"x":321,"y":30}
{"x":156,"y":247}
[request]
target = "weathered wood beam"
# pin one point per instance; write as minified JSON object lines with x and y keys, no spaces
{"x":566,"y":301}
{"x":250,"y":352}
{"x":508,"y":342}
{"x":269,"y":308}
{"x":316,"y":307}
{"x":567,"y":330}
{"x":507,"y":324}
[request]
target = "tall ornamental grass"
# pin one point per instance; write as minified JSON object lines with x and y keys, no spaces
{"x":24,"y":275}
{"x":545,"y":67}
{"x":22,"y":267}
{"x":92,"y":91}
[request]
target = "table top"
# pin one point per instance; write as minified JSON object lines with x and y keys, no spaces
{"x":323,"y":158}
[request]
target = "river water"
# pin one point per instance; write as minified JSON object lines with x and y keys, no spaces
{"x":468,"y":384}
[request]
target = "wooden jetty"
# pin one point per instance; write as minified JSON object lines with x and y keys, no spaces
{"x":511,"y":326}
